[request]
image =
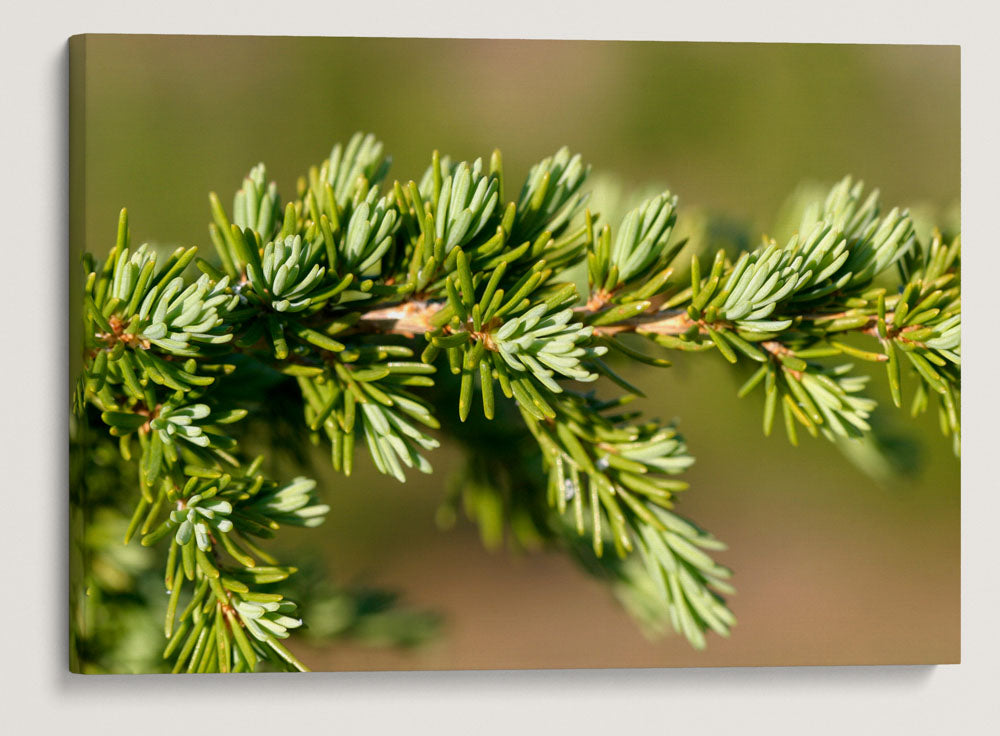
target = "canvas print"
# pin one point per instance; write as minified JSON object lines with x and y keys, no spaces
{"x":479,"y":354}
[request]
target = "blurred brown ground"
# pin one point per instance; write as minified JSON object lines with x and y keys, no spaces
{"x":831,"y":567}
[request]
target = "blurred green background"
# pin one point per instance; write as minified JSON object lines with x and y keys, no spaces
{"x":832,"y":566}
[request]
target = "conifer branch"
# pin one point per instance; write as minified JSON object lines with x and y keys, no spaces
{"x":359,"y":291}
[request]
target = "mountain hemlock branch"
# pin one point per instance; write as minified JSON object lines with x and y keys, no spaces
{"x":369,"y":294}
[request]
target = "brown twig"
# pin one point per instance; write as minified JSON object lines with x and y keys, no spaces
{"x":416,"y":317}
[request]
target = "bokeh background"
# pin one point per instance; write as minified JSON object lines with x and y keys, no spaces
{"x":833,"y":565}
